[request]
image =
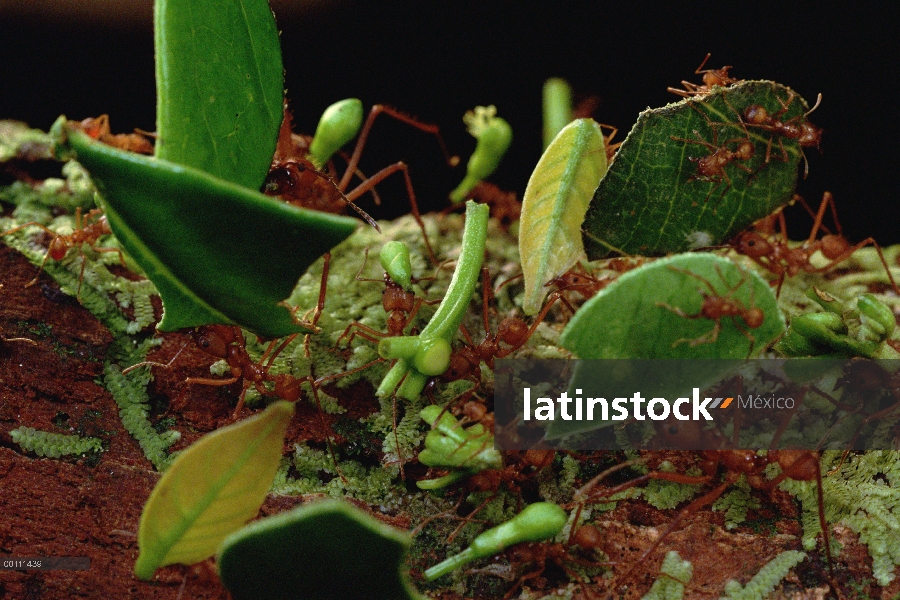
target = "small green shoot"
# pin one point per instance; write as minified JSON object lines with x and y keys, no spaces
{"x":211,"y":490}
{"x":494,"y":136}
{"x":428,"y":354}
{"x":339,"y":124}
{"x":553,"y":208}
{"x":449,"y":445}
{"x":557,"y":108}
{"x":537,"y":522}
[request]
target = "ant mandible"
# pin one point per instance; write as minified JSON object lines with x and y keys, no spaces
{"x":716,"y":307}
{"x":711,"y":78}
{"x":774,"y":254}
{"x":295,"y":178}
{"x":89,"y":228}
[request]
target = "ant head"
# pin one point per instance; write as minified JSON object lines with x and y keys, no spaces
{"x":213,"y":339}
{"x":752,"y":244}
{"x":756,"y":115}
{"x":512,"y":331}
{"x":810,"y":135}
{"x":754,"y":317}
{"x":745,"y":150}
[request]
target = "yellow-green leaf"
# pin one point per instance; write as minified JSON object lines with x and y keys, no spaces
{"x":554,"y":205}
{"x":211,"y":491}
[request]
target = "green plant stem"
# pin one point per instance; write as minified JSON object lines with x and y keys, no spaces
{"x":428,"y":354}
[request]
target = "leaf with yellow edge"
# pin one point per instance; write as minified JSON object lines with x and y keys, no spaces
{"x":554,"y":205}
{"x":211,"y":491}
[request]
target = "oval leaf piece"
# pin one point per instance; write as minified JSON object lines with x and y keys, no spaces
{"x":326,"y":551}
{"x":554,"y":205}
{"x":216,"y":251}
{"x":654,"y":311}
{"x":655,"y":200}
{"x":220,"y":86}
{"x":211,"y":490}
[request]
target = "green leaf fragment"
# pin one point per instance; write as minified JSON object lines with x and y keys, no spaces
{"x":648,"y":204}
{"x":217,"y":252}
{"x":220,"y":86}
{"x":212,"y":489}
{"x":326,"y":551}
{"x":553,"y":208}
{"x":634,"y":318}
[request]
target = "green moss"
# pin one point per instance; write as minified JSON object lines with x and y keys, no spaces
{"x":675,"y":574}
{"x":54,"y":445}
{"x":864,"y":495}
{"x":764,"y":582}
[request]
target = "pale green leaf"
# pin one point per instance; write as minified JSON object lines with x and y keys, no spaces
{"x":553,"y":208}
{"x":211,"y":490}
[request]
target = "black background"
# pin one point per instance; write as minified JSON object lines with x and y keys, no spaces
{"x":438,"y":59}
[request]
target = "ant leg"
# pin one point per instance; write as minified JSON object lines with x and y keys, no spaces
{"x":551,"y":300}
{"x":363,"y":331}
{"x":378,"y":178}
{"x":364,"y":136}
{"x":485,"y":292}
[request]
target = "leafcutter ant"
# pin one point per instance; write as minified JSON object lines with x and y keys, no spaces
{"x":711,"y":78}
{"x":295,"y":178}
{"x":782,"y":260}
{"x":796,"y":128}
{"x":132,"y":142}
{"x":89,"y":228}
{"x":716,"y":307}
{"x":801,"y":465}
{"x":711,"y":168}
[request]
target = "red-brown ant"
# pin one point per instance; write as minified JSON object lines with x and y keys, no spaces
{"x":89,"y":228}
{"x":711,"y":78}
{"x":401,"y":304}
{"x":294,"y":178}
{"x":774,"y":254}
{"x":716,"y":307}
{"x":795,"y":128}
{"x":538,"y":554}
{"x":711,"y":168}
{"x":132,"y":142}
{"x":801,"y":465}
{"x":512,"y":334}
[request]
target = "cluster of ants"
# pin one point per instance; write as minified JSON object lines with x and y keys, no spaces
{"x":295,"y":179}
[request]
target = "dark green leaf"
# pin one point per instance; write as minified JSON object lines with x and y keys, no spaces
{"x":325,"y":551}
{"x":217,"y":252}
{"x":220,"y":86}
{"x":647,"y":203}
